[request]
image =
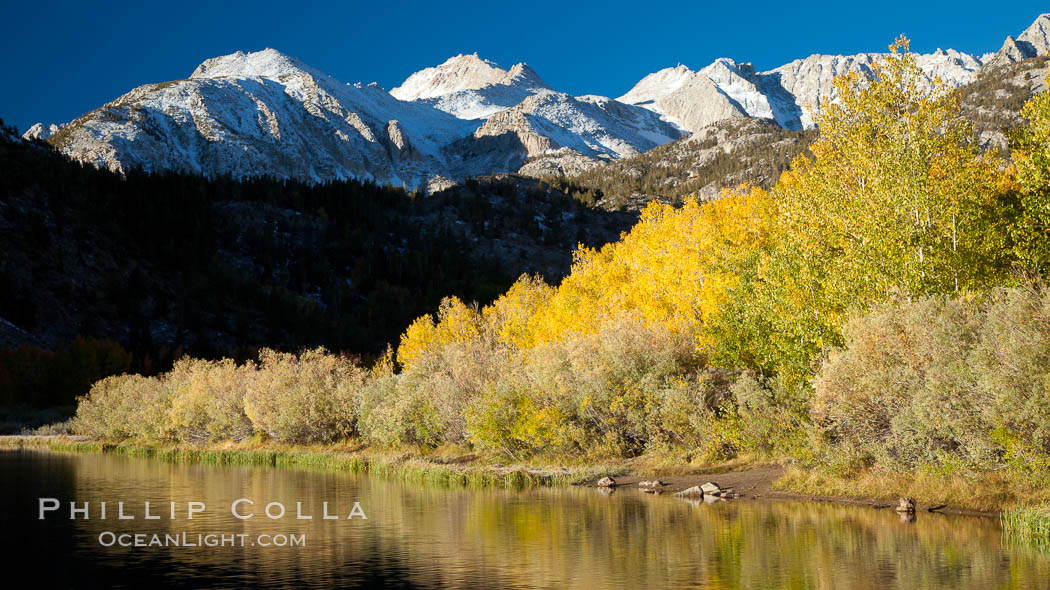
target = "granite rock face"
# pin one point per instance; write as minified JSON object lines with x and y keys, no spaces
{"x":1033,"y":42}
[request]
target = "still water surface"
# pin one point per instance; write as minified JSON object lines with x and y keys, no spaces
{"x":425,"y":537}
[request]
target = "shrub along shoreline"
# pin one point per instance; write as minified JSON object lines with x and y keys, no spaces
{"x":943,"y":387}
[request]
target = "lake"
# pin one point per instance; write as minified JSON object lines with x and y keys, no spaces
{"x":429,"y":537}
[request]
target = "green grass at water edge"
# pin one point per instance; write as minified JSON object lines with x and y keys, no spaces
{"x":1028,"y":525}
{"x":418,"y":471}
{"x":423,"y":472}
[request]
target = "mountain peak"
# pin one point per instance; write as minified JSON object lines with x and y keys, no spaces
{"x":1034,"y":41}
{"x":457,"y":73}
{"x":268,"y":63}
{"x":523,"y":75}
{"x":39,"y":131}
{"x":725,"y":66}
{"x":657,"y":85}
{"x":469,"y":59}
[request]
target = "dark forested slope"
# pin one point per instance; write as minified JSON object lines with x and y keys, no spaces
{"x":173,"y":263}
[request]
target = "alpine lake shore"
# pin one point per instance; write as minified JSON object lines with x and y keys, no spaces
{"x":991,"y":494}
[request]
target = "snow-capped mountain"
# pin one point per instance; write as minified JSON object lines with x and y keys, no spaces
{"x":265,"y":113}
{"x":470,"y":87}
{"x":791,"y":94}
{"x":521,"y":117}
{"x":722,"y":90}
{"x":462,"y":72}
{"x":794,"y":93}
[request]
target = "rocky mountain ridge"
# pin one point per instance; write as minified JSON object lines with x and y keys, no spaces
{"x":267,"y":114}
{"x":792,"y":94}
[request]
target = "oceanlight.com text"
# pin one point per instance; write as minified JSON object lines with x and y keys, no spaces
{"x":185,"y":539}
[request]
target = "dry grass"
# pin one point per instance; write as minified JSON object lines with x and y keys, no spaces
{"x":664,"y":465}
{"x":991,"y":491}
{"x":18,"y":441}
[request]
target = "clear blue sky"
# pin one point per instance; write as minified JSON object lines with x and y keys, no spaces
{"x":61,"y":59}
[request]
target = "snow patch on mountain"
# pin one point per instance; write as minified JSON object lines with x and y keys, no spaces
{"x":597,"y":125}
